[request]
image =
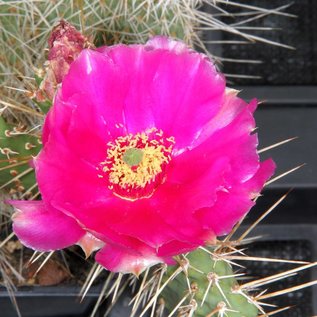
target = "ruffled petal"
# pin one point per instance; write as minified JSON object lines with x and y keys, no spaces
{"x":88,"y":133}
{"x":102,"y":84}
{"x":255,"y":184}
{"x":233,"y":204}
{"x":118,"y":260}
{"x":102,"y":222}
{"x":123,"y":222}
{"x":70,"y":124}
{"x":155,"y":233}
{"x":231,"y":109}
{"x":171,"y":86}
{"x":178,"y":201}
{"x":140,"y":68}
{"x":177,"y":247}
{"x":163,"y":42}
{"x":231,"y":140}
{"x":44,"y":228}
{"x":57,"y":119}
{"x":230,"y":207}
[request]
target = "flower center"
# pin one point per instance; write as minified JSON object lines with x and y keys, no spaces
{"x":135,"y":164}
{"x":133,"y":156}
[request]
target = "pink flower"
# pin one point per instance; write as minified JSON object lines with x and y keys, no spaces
{"x":145,"y":155}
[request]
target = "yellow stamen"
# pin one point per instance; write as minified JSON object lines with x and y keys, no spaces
{"x":135,"y":161}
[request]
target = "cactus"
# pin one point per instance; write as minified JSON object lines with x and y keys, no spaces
{"x":18,"y":146}
{"x":213,"y":288}
{"x":204,"y":282}
{"x":26,"y":24}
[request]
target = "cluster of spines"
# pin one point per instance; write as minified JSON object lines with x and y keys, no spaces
{"x":18,"y":147}
{"x":210,"y":287}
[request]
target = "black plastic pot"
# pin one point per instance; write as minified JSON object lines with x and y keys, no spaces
{"x":57,"y":301}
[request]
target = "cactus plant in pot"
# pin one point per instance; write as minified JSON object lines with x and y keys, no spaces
{"x":125,"y":125}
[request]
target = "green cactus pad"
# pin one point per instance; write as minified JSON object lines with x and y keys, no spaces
{"x":16,"y":151}
{"x":214,"y":288}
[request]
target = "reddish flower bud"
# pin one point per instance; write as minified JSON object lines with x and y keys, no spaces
{"x":65,"y":44}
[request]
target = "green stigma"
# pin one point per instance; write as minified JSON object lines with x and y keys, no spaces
{"x":133,"y":156}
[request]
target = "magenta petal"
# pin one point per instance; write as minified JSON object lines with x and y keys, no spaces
{"x":139,"y":67}
{"x":175,"y":247}
{"x":170,"y":88}
{"x":85,"y":126}
{"x":183,"y":100}
{"x":68,"y":122}
{"x":57,"y":119}
{"x":103,"y":221}
{"x":178,"y":202}
{"x":120,"y":260}
{"x":232,"y":110}
{"x":163,"y":42}
{"x":256,"y":183}
{"x":230,"y":207}
{"x":105,"y":87}
{"x":44,"y":228}
{"x":233,"y":204}
{"x":133,"y":224}
{"x":123,"y":223}
{"x":63,"y":175}
{"x":221,"y":138}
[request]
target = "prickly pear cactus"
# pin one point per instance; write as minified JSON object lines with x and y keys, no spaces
{"x":18,"y":146}
{"x":207,"y":286}
{"x":204,"y":283}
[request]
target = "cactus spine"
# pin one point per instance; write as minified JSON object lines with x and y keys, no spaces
{"x":17,"y":149}
{"x":208,"y":287}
